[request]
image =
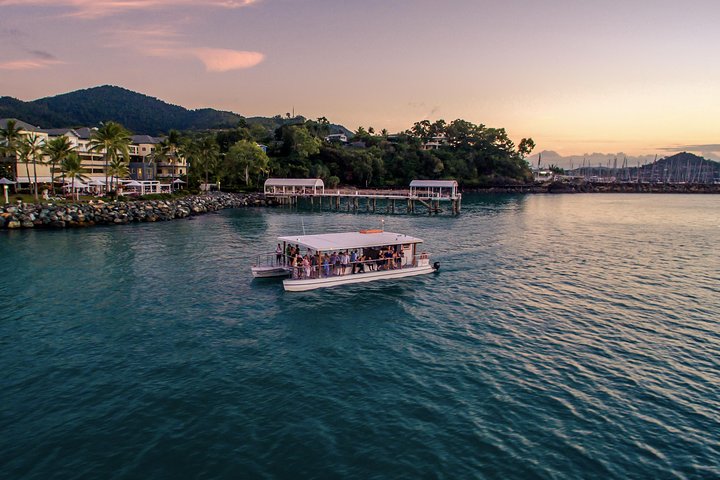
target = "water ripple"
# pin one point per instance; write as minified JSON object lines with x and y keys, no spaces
{"x":565,"y":337}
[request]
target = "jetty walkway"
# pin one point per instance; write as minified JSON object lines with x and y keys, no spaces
{"x":423,"y":196}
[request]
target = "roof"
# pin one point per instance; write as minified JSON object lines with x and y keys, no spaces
{"x":349,"y":240}
{"x":19,"y":124}
{"x":138,"y":139}
{"x":58,"y":132}
{"x":434,"y":183}
{"x":84,"y":132}
{"x":294,"y":182}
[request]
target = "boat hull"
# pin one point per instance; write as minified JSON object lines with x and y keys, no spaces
{"x":291,"y":285}
{"x":270,"y":272}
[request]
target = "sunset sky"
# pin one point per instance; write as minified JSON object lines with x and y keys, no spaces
{"x":633,"y":76}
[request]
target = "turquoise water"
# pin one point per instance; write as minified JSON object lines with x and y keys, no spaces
{"x":571,"y":336}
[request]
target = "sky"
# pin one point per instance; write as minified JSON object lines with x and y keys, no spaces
{"x":639,"y":77}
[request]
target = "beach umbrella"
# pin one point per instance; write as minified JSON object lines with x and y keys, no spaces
{"x":133,"y":184}
{"x":178,"y":181}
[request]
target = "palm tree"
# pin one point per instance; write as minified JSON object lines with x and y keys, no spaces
{"x":167,"y":151}
{"x":23,"y":156}
{"x":111,"y":139}
{"x":72,"y":167}
{"x":10,"y":138}
{"x":189,"y":151}
{"x":32,"y":149}
{"x":57,"y":149}
{"x":118,"y":169}
{"x":161,"y":154}
{"x":208,"y":152}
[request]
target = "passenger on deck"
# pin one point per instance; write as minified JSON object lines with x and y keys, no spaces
{"x":345,"y":262}
{"x":306,"y":266}
{"x":337,"y":263}
{"x":361,"y":264}
{"x":353,"y":261}
{"x":326,"y":264}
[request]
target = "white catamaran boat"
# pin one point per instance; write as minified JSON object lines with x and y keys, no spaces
{"x":342,"y":258}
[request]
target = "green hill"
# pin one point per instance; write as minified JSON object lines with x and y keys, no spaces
{"x":137,"y":112}
{"x":140,"y":113}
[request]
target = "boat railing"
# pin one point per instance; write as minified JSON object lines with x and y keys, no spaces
{"x":271,"y":259}
{"x":327,"y":270}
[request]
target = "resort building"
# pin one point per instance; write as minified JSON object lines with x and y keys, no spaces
{"x":142,"y":162}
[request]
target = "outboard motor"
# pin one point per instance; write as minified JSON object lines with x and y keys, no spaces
{"x":436,"y":266}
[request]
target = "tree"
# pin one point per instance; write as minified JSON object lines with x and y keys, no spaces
{"x":333,"y":181}
{"x":208,"y":152}
{"x":118,"y":169}
{"x":10,"y":137}
{"x":244,"y":158}
{"x":525,"y":147}
{"x":72,"y":168}
{"x":189,"y":151}
{"x":112,"y":139}
{"x":23,"y":156}
{"x":57,"y":149}
{"x":304,"y":144}
{"x":32,"y":150}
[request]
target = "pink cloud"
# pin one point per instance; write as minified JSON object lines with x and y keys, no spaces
{"x":224,"y":60}
{"x":28,"y":64}
{"x":103,"y":8}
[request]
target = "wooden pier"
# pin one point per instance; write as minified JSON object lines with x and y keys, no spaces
{"x":424,"y":196}
{"x":371,"y":202}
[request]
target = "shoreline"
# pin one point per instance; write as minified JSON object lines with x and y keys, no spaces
{"x":80,"y":215}
{"x":21,"y":216}
{"x":587,"y":187}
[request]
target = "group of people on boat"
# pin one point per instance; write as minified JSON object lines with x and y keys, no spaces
{"x":347,"y":262}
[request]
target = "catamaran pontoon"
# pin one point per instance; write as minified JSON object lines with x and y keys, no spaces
{"x":352,"y":257}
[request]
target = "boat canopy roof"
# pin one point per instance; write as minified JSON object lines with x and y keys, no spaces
{"x":433,"y":183}
{"x":294,"y":182}
{"x":330,"y":242}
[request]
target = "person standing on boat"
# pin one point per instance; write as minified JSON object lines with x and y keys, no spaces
{"x":306,"y":265}
{"x":313,"y":265}
{"x":345,"y":262}
{"x":279,"y":255}
{"x":353,"y":261}
{"x":326,"y":264}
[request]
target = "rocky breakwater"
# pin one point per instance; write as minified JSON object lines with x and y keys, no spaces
{"x":119,"y":213}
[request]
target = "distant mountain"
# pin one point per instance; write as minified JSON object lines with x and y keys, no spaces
{"x":681,"y":167}
{"x":137,"y":112}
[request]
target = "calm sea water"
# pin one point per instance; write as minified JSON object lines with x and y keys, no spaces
{"x":572,"y":336}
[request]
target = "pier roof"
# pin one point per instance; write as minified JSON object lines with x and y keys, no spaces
{"x":434,"y":183}
{"x":294,"y":182}
{"x":331,"y":242}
